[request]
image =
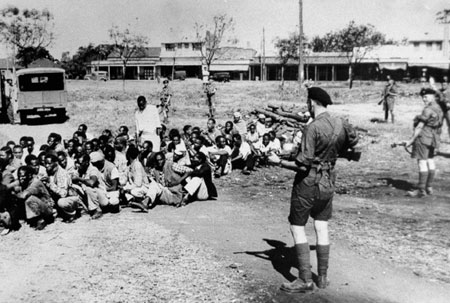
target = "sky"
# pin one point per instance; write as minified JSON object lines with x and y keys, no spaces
{"x":80,"y":22}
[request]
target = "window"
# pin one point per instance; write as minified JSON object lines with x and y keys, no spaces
{"x":416,"y":46}
{"x":170,"y":47}
{"x":40,"y":82}
{"x":429,"y":46}
{"x":438,"y":46}
{"x":186,"y":45}
{"x":180,"y":45}
{"x":196,"y":46}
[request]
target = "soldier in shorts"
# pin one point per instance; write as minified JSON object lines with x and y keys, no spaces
{"x":313,"y":189}
{"x":210,"y":90}
{"x":389,"y":94}
{"x":425,"y":141}
{"x":165,"y":97}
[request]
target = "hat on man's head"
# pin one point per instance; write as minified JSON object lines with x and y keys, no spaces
{"x":96,"y":156}
{"x":237,"y":114}
{"x":427,"y":91}
{"x":261,"y":116}
{"x":319,"y":95}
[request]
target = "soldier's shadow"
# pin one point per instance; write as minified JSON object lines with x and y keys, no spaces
{"x":283,"y":258}
{"x":398,"y":184}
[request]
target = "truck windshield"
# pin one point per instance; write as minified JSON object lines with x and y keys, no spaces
{"x":40,"y":82}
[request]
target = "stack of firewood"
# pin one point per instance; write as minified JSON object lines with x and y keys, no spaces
{"x":296,"y":117}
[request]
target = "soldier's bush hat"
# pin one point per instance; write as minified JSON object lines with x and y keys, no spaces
{"x":319,"y":95}
{"x":427,"y":91}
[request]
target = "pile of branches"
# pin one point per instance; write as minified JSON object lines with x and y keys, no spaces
{"x":295,"y":117}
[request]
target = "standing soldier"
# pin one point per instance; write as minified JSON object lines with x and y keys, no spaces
{"x":389,"y":94}
{"x":210,"y":90}
{"x":9,"y":95}
{"x":165,"y":96}
{"x":425,"y":141}
{"x":312,"y":193}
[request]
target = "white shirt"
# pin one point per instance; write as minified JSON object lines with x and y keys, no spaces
{"x":147,"y":120}
{"x":245,"y":150}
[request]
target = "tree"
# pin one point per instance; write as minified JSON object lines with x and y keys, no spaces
{"x":76,"y":67}
{"x":288,"y":50}
{"x":355,"y":41}
{"x":127,"y":45}
{"x":210,"y":37}
{"x":29,"y":54}
{"x":443,"y":16}
{"x":26,"y":28}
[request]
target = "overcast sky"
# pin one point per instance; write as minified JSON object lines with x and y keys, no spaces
{"x":79,"y":22}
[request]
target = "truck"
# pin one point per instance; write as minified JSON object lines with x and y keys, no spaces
{"x":41,"y":91}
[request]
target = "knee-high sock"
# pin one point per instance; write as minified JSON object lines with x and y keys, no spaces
{"x":304,"y":264}
{"x":323,"y":255}
{"x":422,"y":179}
{"x":430,"y":179}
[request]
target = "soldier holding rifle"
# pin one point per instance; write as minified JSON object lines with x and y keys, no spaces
{"x":388,"y":100}
{"x":425,"y":141}
{"x":323,"y":141}
{"x":165,"y":97}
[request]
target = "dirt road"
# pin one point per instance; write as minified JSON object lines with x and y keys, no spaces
{"x":235,"y":249}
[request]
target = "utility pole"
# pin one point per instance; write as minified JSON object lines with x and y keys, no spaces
{"x":264,"y":56}
{"x":300,"y":46}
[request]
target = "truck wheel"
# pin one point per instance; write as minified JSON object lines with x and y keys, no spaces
{"x":23,"y":117}
{"x":61,"y":115}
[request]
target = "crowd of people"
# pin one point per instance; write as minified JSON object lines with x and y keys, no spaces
{"x":95,"y":175}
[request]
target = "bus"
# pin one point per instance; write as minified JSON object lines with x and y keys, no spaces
{"x":41,"y":91}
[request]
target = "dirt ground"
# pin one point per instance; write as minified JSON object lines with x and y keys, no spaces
{"x":386,"y":247}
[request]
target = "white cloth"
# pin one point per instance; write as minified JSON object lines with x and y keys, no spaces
{"x":245,"y":150}
{"x":147,"y":121}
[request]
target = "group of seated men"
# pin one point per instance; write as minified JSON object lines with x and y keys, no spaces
{"x":66,"y":178}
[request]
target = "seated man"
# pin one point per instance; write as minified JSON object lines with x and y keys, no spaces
{"x":36,"y":198}
{"x":90,"y":180}
{"x":120,"y":159}
{"x":66,"y":162}
{"x":220,"y":157}
{"x":9,"y":210}
{"x":199,"y":184}
{"x":59,"y":184}
{"x":137,"y":180}
{"x":242,"y":156}
{"x":166,"y":186}
{"x":110,"y":176}
{"x":264,"y":148}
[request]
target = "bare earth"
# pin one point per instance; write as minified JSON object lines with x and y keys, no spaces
{"x":386,"y":247}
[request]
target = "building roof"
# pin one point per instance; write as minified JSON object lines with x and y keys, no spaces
{"x":149,"y":52}
{"x":235,"y":53}
{"x":6,"y":63}
{"x":428,"y":37}
{"x":43,"y":63}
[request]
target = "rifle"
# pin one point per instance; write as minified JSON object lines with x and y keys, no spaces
{"x":381,"y":101}
{"x":402,"y":143}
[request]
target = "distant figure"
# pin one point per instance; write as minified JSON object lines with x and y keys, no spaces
{"x":9,"y":96}
{"x":210,"y":90}
{"x":165,"y":96}
{"x":389,"y":94}
{"x":148,"y":124}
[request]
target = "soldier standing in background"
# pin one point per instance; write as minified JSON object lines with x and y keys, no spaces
{"x":389,"y":94}
{"x":210,"y":90}
{"x":165,"y":97}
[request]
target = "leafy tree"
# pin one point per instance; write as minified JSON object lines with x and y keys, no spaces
{"x":29,"y":54}
{"x":355,"y":41}
{"x":288,"y":50}
{"x":443,"y":16}
{"x":26,"y":28}
{"x":127,"y":45}
{"x":76,"y":66}
{"x":210,"y":37}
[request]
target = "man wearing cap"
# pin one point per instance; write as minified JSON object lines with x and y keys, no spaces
{"x":165,"y":95}
{"x":148,"y":124}
{"x":313,"y":188}
{"x":425,"y":141}
{"x":210,"y":90}
{"x":110,"y":176}
{"x":239,"y":124}
{"x":389,"y":94}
